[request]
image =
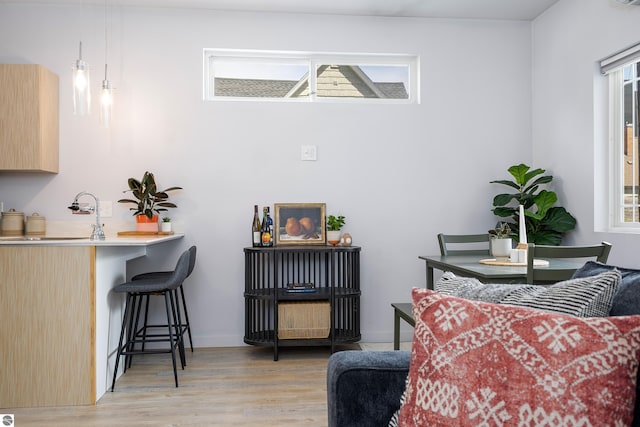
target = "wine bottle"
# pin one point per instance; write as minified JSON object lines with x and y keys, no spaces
{"x":265,"y":231}
{"x":270,"y":224}
{"x":255,"y":228}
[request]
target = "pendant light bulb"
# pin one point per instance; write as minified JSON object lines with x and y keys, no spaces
{"x":81,"y":87}
{"x":106,"y":101}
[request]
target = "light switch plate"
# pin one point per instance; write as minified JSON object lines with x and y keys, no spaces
{"x":308,"y":153}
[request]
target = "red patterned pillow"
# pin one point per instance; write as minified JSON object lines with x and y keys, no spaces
{"x":481,"y":364}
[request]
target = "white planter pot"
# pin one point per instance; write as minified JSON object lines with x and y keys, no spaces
{"x":333,"y":237}
{"x":165,"y":227}
{"x":501,"y":249}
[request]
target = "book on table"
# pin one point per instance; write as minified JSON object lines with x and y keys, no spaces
{"x":300,"y":287}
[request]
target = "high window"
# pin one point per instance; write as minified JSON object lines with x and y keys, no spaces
{"x":309,"y":77}
{"x":623,"y":70}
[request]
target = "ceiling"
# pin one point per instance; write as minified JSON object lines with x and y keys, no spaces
{"x":466,"y":9}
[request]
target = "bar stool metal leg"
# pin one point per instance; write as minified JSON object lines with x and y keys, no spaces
{"x":167,"y":297}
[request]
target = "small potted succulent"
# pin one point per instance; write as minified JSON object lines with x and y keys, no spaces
{"x":334,"y":225}
{"x":149,"y":201}
{"x":165,"y":226}
{"x":501,"y":243}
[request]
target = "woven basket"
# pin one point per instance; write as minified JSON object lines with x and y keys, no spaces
{"x":304,"y":319}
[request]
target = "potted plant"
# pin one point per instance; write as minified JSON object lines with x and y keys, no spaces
{"x":165,"y":226}
{"x":500,"y":243}
{"x":149,"y":201}
{"x":545,"y":224}
{"x":334,"y":225}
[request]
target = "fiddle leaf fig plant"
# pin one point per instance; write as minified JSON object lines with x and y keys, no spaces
{"x":545,"y":222}
{"x":148,"y":199}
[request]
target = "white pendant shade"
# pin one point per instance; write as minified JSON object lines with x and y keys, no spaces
{"x":81,"y":87}
{"x":106,"y":103}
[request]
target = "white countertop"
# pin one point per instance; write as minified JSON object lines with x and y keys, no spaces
{"x":75,"y":241}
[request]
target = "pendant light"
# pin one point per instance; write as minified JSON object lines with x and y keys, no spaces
{"x":81,"y":87}
{"x":106,"y":95}
{"x":106,"y":101}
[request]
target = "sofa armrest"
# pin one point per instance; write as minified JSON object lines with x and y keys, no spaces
{"x":364,"y":387}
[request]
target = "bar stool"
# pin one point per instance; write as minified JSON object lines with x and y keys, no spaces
{"x":136,"y":291}
{"x":163,"y":275}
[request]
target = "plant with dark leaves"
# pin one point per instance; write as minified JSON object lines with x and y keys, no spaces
{"x":545,"y":223}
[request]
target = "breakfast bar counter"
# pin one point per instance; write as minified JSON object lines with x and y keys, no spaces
{"x":60,"y":320}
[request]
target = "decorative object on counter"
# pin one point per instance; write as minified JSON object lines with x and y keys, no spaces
{"x":166,"y":224}
{"x":98,"y":232}
{"x":149,"y":201}
{"x":500,"y":242}
{"x":12,"y":223}
{"x":346,"y":240}
{"x":36,"y":225}
{"x":545,"y":224}
{"x":334,"y":225}
{"x":300,"y":224}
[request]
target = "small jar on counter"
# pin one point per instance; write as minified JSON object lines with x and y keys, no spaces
{"x":12,"y":223}
{"x":36,"y":225}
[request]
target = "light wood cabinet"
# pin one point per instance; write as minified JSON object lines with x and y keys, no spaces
{"x":47,"y":315}
{"x":29,"y":129}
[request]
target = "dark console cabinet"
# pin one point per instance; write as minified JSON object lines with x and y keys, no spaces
{"x":328,"y":315}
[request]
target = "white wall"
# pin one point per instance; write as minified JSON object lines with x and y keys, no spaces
{"x":570,"y":108}
{"x":399,"y":173}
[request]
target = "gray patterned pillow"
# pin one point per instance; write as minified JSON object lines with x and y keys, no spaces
{"x":585,"y":297}
{"x":582,"y":297}
{"x":473,"y":289}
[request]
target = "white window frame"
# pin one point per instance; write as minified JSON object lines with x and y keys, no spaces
{"x":613,"y":67}
{"x":313,"y":60}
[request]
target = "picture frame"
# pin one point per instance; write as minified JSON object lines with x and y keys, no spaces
{"x":300,"y":224}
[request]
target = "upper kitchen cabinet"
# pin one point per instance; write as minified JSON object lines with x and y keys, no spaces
{"x":28,"y":118}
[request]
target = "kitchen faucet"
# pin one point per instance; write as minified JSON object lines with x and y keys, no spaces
{"x":98,"y":232}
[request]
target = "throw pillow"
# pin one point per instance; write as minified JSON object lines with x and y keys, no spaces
{"x":477,"y":363}
{"x":473,"y":289}
{"x":584,"y":297}
{"x":627,"y":300}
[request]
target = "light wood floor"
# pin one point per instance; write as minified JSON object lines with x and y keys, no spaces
{"x":240,"y":386}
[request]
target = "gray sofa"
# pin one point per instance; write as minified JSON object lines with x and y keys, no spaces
{"x":364,"y":387}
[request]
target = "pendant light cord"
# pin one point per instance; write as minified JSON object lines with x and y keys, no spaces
{"x":106,"y":45}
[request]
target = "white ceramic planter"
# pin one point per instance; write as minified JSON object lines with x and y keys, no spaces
{"x":333,"y":237}
{"x":501,"y":249}
{"x":165,"y":227}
